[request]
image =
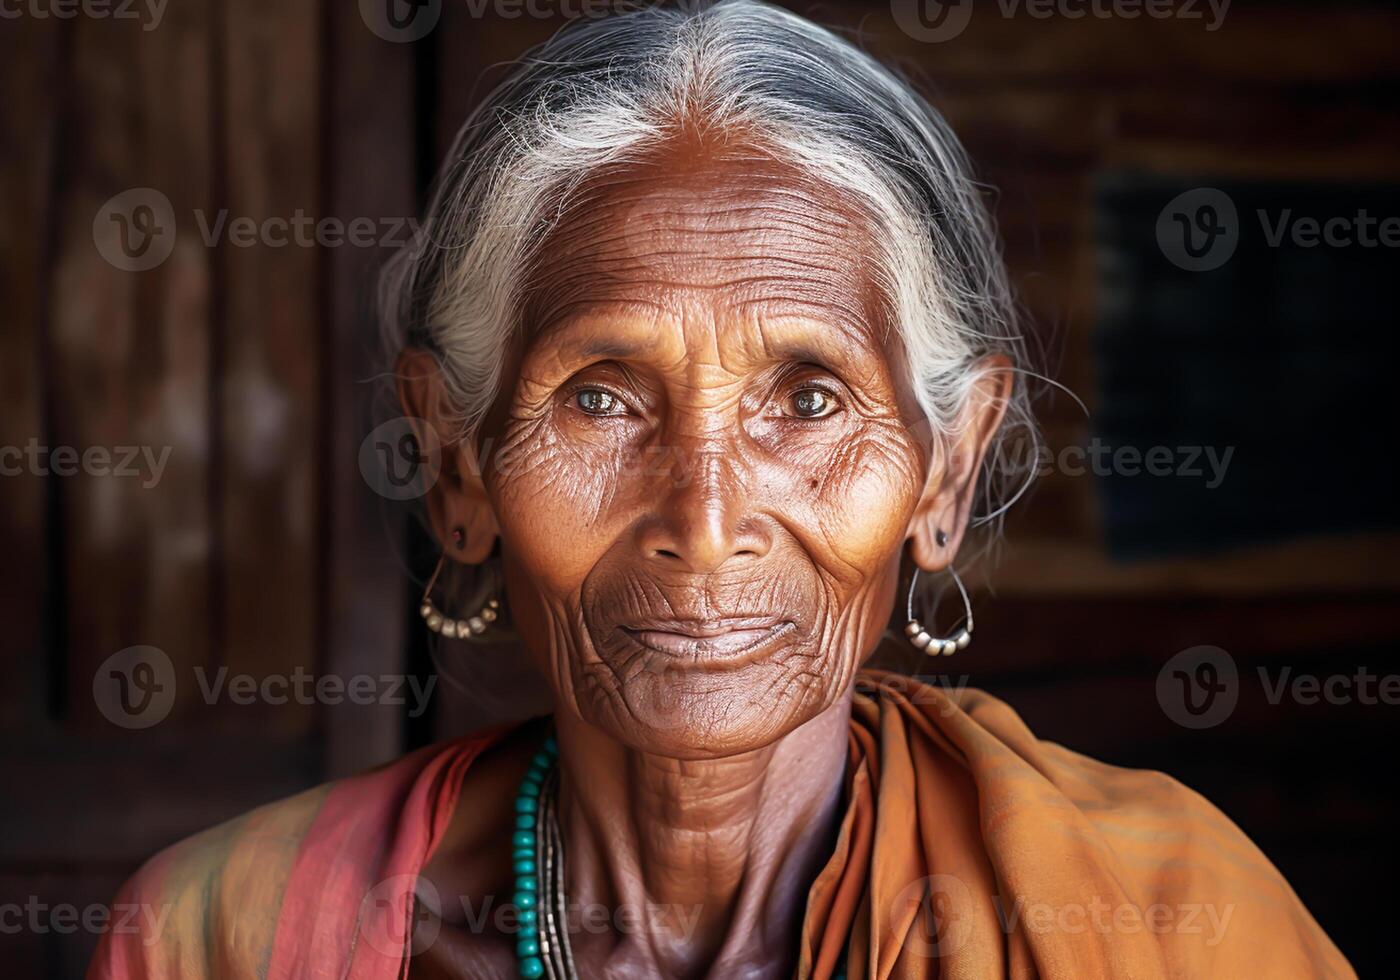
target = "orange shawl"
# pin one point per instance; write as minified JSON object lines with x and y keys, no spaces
{"x":969,"y":849}
{"x":973,"y":849}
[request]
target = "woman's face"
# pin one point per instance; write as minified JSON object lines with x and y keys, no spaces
{"x":706,"y":467}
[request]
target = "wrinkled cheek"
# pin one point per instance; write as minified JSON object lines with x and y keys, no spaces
{"x":560,"y":514}
{"x":851,"y":520}
{"x":545,"y":506}
{"x":863,"y":507}
{"x":551,"y":505}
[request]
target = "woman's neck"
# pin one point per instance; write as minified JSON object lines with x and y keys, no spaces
{"x":683,"y":868}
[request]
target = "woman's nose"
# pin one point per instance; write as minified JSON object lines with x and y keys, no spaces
{"x":704,"y":518}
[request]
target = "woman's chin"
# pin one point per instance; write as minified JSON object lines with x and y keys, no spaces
{"x":692,"y":713}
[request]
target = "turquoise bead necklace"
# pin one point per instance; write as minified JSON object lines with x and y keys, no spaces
{"x":531,"y":859}
{"x":541,"y":940}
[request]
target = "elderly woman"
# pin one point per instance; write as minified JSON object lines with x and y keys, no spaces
{"x":712,"y":327}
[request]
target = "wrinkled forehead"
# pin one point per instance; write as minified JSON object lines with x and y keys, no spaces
{"x":745,"y":237}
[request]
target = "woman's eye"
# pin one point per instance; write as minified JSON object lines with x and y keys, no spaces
{"x":596,"y":401}
{"x":812,"y":403}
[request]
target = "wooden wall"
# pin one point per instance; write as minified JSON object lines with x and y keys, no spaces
{"x":262,"y":550}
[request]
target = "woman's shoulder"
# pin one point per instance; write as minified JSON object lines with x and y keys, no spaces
{"x":216,"y":902}
{"x":1001,"y":750}
{"x":193,"y":897}
{"x":1105,"y":793}
{"x":1147,"y":848}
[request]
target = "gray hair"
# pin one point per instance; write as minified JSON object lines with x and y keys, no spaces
{"x":604,"y":92}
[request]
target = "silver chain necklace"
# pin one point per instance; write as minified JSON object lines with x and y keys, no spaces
{"x":552,"y":913}
{"x":558,"y":958}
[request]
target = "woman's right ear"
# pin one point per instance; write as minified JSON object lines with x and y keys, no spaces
{"x":457,"y":499}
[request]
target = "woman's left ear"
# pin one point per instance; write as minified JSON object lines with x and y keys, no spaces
{"x":458,"y":507}
{"x":940,"y":517}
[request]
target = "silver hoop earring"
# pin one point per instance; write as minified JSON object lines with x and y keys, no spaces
{"x":927,"y":642}
{"x":451,"y":628}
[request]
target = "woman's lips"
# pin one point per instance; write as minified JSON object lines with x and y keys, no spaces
{"x":722,"y":642}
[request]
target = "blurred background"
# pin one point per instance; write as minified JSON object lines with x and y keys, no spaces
{"x":196,"y":196}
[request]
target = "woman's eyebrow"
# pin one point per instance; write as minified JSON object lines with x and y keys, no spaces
{"x":609,"y":347}
{"x":837,"y":358}
{"x":607,"y":330}
{"x":605,"y":335}
{"x":801,"y":352}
